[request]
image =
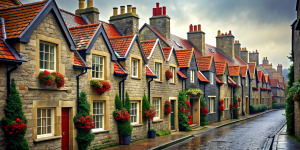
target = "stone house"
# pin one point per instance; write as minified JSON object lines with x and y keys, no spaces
{"x":246,"y":87}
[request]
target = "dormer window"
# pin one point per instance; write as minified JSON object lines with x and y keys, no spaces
{"x":178,"y":44}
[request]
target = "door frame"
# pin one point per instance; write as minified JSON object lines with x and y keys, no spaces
{"x":195,"y":108}
{"x":70,"y":122}
{"x":176,"y":124}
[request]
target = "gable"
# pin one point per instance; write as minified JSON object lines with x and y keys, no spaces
{"x":148,"y":32}
{"x":193,"y":63}
{"x":157,"y":52}
{"x":173,"y":59}
{"x":212,"y":66}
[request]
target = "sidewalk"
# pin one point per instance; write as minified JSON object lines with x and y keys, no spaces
{"x":283,"y":141}
{"x":177,"y":136}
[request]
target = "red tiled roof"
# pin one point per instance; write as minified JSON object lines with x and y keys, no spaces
{"x":244,"y":70}
{"x":184,"y":57}
{"x":6,"y":3}
{"x":17,"y":18}
{"x":234,"y":71}
{"x":220,"y":67}
{"x":148,"y":46}
{"x":274,"y":82}
{"x":149,"y":72}
{"x":231,"y":82}
{"x":5,"y":53}
{"x":284,"y":85}
{"x":219,"y":81}
{"x":263,"y":78}
{"x":201,"y":77}
{"x":110,"y":30}
{"x":252,"y":69}
{"x":270,"y":82}
{"x":78,"y":61}
{"x":181,"y":74}
{"x":259,"y":74}
{"x":120,"y":44}
{"x":82,"y":35}
{"x":204,"y":63}
{"x":266,"y":78}
{"x":167,"y":52}
{"x":118,"y":69}
{"x":184,"y":43}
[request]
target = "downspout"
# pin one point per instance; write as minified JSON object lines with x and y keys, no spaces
{"x":185,"y":85}
{"x":182,"y":85}
{"x":204,"y":91}
{"x":243,"y":113}
{"x":149,"y":100}
{"x":250,"y":94}
{"x":9,"y":71}
{"x":231,"y":112}
{"x":121,"y":90}
{"x":77,"y":79}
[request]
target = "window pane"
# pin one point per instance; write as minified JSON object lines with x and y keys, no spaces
{"x":46,"y":48}
{"x":52,"y":66}
{"x":39,"y":122}
{"x":41,"y":47}
{"x":48,"y":129}
{"x":52,"y":49}
{"x":39,"y":131}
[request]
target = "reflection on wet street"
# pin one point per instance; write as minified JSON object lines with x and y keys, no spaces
{"x":249,"y":134}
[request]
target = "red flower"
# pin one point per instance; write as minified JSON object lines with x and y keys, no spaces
{"x":100,"y":86}
{"x":221,"y":107}
{"x":168,"y":74}
{"x":149,"y":114}
{"x":239,"y":99}
{"x":190,"y":122}
{"x":231,"y":105}
{"x":182,"y":109}
{"x":204,"y":111}
{"x":168,"y":108}
{"x":190,"y":116}
{"x":222,"y":101}
{"x":18,"y":120}
{"x":84,"y":123}
{"x":122,"y":116}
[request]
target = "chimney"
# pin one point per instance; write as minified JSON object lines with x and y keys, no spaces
{"x":91,"y":13}
{"x":197,"y":38}
{"x":161,"y":21}
{"x":244,"y":55}
{"x":254,"y":57}
{"x":237,"y":48}
{"x":126,"y":23}
{"x":279,"y":69}
{"x":226,"y":44}
{"x":265,"y":61}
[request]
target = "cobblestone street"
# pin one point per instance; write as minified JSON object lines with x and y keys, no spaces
{"x":250,"y":134}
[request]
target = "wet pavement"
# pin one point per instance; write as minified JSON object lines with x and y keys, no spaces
{"x":249,"y":134}
{"x":285,"y":142}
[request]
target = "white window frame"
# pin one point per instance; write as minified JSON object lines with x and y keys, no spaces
{"x":225,"y":78}
{"x":49,"y":55}
{"x":211,"y":77}
{"x":158,"y":71}
{"x":51,"y":119}
{"x":172,"y":69}
{"x":239,"y":80}
{"x":156,"y":104}
{"x":136,"y":114}
{"x":98,"y":114}
{"x":135,"y":65}
{"x":211,"y":107}
{"x":192,"y":75}
{"x":94,"y":65}
{"x":226,"y":103}
{"x":246,"y":82}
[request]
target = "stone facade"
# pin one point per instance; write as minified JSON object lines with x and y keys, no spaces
{"x":127,"y":24}
{"x":237,"y":49}
{"x":197,"y":38}
{"x":226,"y":45}
{"x":226,"y":92}
{"x":146,"y":33}
{"x":162,"y":24}
{"x":254,"y":57}
{"x":245,"y":56}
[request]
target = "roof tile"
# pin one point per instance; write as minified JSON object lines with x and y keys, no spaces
{"x":204,"y":63}
{"x":78,"y":60}
{"x":201,"y":77}
{"x":149,"y":72}
{"x":219,"y":81}
{"x":120,"y":44}
{"x":118,"y":69}
{"x":6,"y":4}
{"x":71,"y":19}
{"x":148,"y":46}
{"x":252,"y":69}
{"x":220,"y":67}
{"x":5,"y":53}
{"x":234,"y":71}
{"x":244,"y":70}
{"x":184,"y":57}
{"x":259,"y":74}
{"x":110,"y":30}
{"x":167,"y":52}
{"x":181,"y":74}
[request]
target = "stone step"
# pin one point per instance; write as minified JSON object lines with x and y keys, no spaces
{"x":193,"y":126}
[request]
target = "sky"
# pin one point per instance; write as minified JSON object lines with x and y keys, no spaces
{"x":262,"y":25}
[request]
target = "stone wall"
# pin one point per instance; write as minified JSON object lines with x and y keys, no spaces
{"x":127,"y":24}
{"x":147,"y":34}
{"x":197,"y":38}
{"x":162,"y":24}
{"x":226,"y":92}
{"x":226,"y":45}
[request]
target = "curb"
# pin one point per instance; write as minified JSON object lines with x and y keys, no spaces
{"x":275,"y":141}
{"x":199,"y":133}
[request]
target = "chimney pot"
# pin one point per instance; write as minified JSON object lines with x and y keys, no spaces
{"x":222,"y":34}
{"x":199,"y":27}
{"x":238,"y":41}
{"x":154,"y":11}
{"x":225,"y":33}
{"x":191,"y":28}
{"x":129,"y":8}
{"x":115,"y":11}
{"x":195,"y":28}
{"x":256,"y":51}
{"x":134,"y":10}
{"x":122,"y":10}
{"x":229,"y":32}
{"x":90,"y":3}
{"x":160,"y":11}
{"x":235,"y":41}
{"x":219,"y":33}
{"x":81,"y":4}
{"x":157,"y":5}
{"x":164,"y":10}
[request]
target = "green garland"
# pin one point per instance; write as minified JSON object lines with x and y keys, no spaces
{"x":203,"y":119}
{"x":182,"y":116}
{"x":235,"y":108}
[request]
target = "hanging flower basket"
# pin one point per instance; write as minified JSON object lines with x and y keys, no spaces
{"x":168,"y":74}
{"x":100,"y":86}
{"x":149,"y":114}
{"x":59,"y":79}
{"x":194,"y":92}
{"x":85,"y":123}
{"x":121,"y":116}
{"x":168,"y":108}
{"x":15,"y":128}
{"x":46,"y":78}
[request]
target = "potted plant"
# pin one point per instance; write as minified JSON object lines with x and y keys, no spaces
{"x":126,"y":131}
{"x":151,"y":134}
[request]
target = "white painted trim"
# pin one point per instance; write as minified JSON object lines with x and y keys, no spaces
{"x":202,"y":75}
{"x":170,"y":54}
{"x":130,"y":46}
{"x":150,"y":69}
{"x":150,"y":55}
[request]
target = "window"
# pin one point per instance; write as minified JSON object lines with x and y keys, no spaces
{"x":47,"y":56}
{"x":98,"y":67}
{"x":178,"y":44}
{"x":239,"y":80}
{"x":45,"y":123}
{"x":172,"y":69}
{"x":98,"y":115}
{"x":192,"y":76}
{"x":156,"y":105}
{"x":211,"y":78}
{"x":226,"y":103}
{"x":211,"y":104}
{"x":134,"y":113}
{"x":225,"y":78}
{"x":158,"y":71}
{"x":134,"y":67}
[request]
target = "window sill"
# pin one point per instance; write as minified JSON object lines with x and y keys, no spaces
{"x":173,"y":83}
{"x":136,"y":78}
{"x":158,"y":81}
{"x":100,"y":131}
{"x":212,"y":113}
{"x":158,"y":120}
{"x":137,"y":125}
{"x":46,"y":138}
{"x":49,"y":89}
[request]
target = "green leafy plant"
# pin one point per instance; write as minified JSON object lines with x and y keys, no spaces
{"x":152,"y":129}
{"x":289,"y":111}
{"x":234,"y":107}
{"x":145,"y":104}
{"x":182,"y":115}
{"x":127,"y":102}
{"x":83,"y":138}
{"x":194,"y":92}
{"x":279,"y":105}
{"x":100,"y":86}
{"x":203,"y":112}
{"x":163,"y":132}
{"x":258,"y":108}
{"x":46,"y":78}
{"x":14,"y":115}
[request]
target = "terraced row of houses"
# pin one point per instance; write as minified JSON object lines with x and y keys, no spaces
{"x":40,"y":36}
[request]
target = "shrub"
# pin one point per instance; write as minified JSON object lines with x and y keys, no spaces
{"x":125,"y":129}
{"x":118,"y":102}
{"x":127,"y":102}
{"x":145,"y":104}
{"x":258,"y":108}
{"x":14,"y":116}
{"x":84,"y":137}
{"x":163,"y":132}
{"x":279,"y":105}
{"x":203,"y":112}
{"x":194,"y":92}
{"x":234,"y":108}
{"x":182,"y":116}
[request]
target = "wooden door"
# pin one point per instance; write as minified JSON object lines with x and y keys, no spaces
{"x":65,"y":128}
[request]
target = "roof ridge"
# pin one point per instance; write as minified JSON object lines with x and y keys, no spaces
{"x":119,"y":37}
{"x":69,"y":12}
{"x":104,"y":22}
{"x":24,"y":5}
{"x":83,"y":26}
{"x":148,"y":41}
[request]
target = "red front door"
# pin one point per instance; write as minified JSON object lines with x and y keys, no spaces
{"x":65,"y":128}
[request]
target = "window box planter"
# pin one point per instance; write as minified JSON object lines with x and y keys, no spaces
{"x":126,"y":140}
{"x":151,"y":134}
